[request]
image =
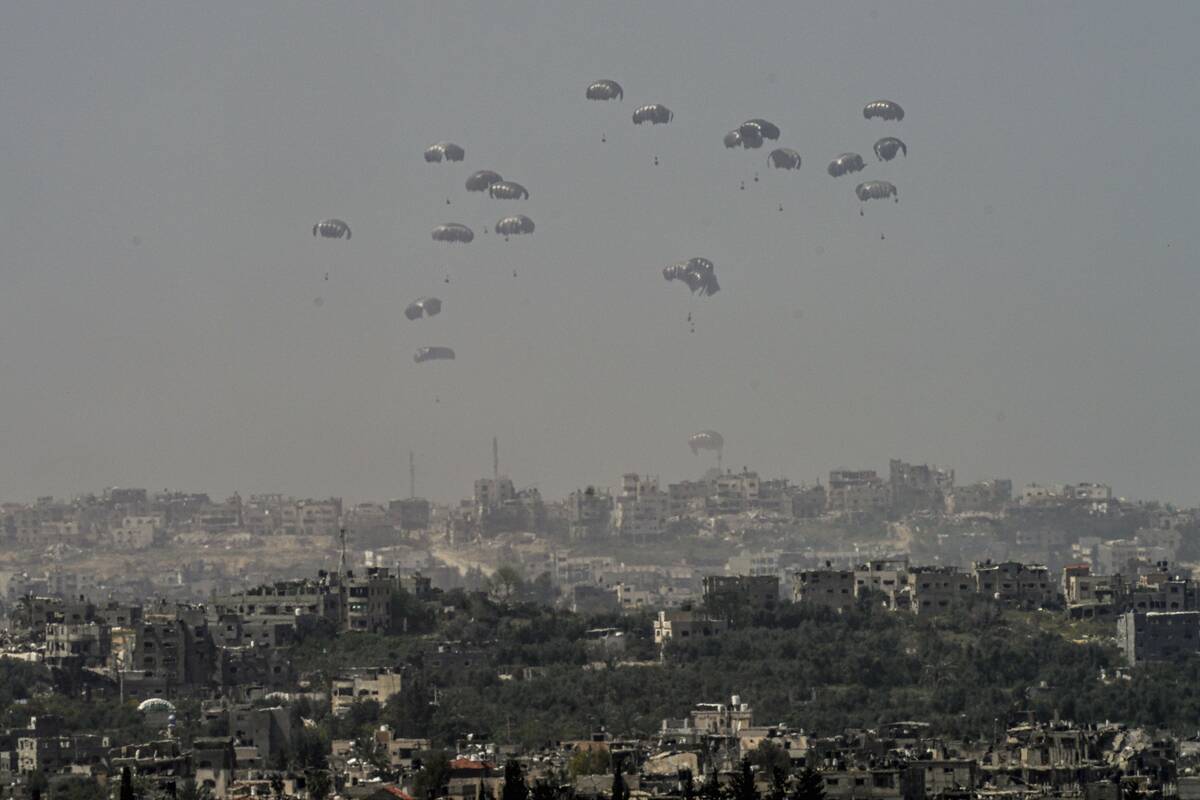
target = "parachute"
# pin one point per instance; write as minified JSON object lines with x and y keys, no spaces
{"x":766,"y":130}
{"x":784,"y":158}
{"x":605,"y":90}
{"x":887,"y":148}
{"x":331,"y":229}
{"x":424,"y":354}
{"x":845,"y":164}
{"x":508,"y":190}
{"x":876,"y":190}
{"x":423,"y":307}
{"x":706,"y":440}
{"x":480,"y":181}
{"x":883,"y":109}
{"x":453,"y":232}
{"x":698,"y":273}
{"x":156,"y":705}
{"x":449,"y":151}
{"x":655,"y":114}
{"x":516,"y":224}
{"x":748,"y":136}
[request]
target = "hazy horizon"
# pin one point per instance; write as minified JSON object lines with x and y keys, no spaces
{"x":1030,"y":313}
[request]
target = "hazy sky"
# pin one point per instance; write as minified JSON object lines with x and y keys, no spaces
{"x":1031,"y":312}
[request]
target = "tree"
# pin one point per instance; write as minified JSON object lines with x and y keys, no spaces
{"x":619,"y":790}
{"x":318,"y":783}
{"x":687,"y":784}
{"x":190,"y":790}
{"x":769,"y":757}
{"x":743,"y":787}
{"x":588,"y":762}
{"x":711,"y":790}
{"x":505,"y":583}
{"x":809,"y":786}
{"x":433,"y":775}
{"x":514,"y":782}
{"x":126,"y":784}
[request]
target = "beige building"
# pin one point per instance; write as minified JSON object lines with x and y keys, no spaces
{"x":829,"y":588}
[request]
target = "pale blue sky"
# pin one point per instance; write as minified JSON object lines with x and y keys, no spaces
{"x":1030,"y":314}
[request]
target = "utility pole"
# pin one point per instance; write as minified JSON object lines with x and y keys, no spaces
{"x":495,"y":458}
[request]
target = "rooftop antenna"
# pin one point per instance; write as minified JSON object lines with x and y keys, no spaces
{"x":412,"y":475}
{"x":495,"y":458}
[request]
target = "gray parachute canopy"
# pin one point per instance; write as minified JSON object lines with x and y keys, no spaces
{"x":453,"y":232}
{"x":605,"y":90}
{"x":883,"y":109}
{"x":433,"y":354}
{"x":514,"y":225}
{"x":706,"y":440}
{"x":698,"y":273}
{"x":331,"y":229}
{"x":767,"y":130}
{"x":784,"y":158}
{"x":887,"y":148}
{"x":508,"y":190}
{"x":876,"y":190}
{"x":444,"y":150}
{"x":746,"y":136}
{"x":480,"y":181}
{"x":423,"y":307}
{"x":655,"y":114}
{"x":845,"y":164}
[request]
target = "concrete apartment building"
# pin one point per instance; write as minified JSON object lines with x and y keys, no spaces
{"x":827,"y":588}
{"x":379,"y":685}
{"x":989,"y":496}
{"x":730,"y":595}
{"x":641,"y":508}
{"x":683,"y":625}
{"x":918,"y":487}
{"x":1016,"y":584}
{"x":938,"y":590}
{"x":857,"y":491}
{"x":1158,"y":635}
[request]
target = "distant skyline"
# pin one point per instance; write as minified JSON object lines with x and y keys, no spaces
{"x":165,"y":321}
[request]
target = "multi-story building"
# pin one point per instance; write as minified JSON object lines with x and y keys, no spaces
{"x":857,"y":491}
{"x":1158,"y":635}
{"x":680,"y":625}
{"x":918,"y":487}
{"x":75,"y":646}
{"x":734,"y":595}
{"x":368,"y":597}
{"x":983,"y":497}
{"x":641,"y":508}
{"x":1016,"y":584}
{"x":410,"y":514}
{"x":937,"y":590}
{"x":588,"y":512}
{"x":888,"y":576}
{"x":828,"y":588}
{"x":734,"y":493}
{"x":809,"y":501}
{"x":379,"y":685}
{"x":136,"y":533}
{"x":688,"y":497}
